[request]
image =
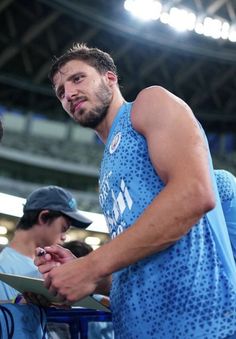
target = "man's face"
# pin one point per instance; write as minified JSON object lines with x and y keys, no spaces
{"x":84,"y":93}
{"x":53,"y":232}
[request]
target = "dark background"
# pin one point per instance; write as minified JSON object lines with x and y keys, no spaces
{"x":200,"y":70}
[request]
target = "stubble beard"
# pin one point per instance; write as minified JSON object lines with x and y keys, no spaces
{"x":96,"y":115}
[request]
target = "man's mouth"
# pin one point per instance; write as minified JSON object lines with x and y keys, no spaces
{"x":77,"y":106}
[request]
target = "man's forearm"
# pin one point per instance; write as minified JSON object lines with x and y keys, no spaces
{"x":165,"y":221}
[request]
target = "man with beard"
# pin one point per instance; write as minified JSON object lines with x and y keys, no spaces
{"x":172,"y":267}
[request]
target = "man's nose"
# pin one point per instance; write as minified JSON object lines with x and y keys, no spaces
{"x":70,"y":92}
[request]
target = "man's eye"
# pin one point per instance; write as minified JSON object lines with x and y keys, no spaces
{"x":77,"y":78}
{"x":60,"y":95}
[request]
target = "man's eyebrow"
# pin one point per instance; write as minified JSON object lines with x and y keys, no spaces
{"x":60,"y":87}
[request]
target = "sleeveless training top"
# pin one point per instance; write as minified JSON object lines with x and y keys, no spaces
{"x":186,"y":291}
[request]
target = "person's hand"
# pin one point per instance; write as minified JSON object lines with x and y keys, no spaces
{"x":50,"y":257}
{"x":74,"y":280}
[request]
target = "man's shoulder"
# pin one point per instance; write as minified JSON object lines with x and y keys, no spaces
{"x":152,"y":92}
{"x":156,"y":98}
{"x":148,"y":98}
{"x":149,"y":105}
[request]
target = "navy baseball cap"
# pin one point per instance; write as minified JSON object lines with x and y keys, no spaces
{"x":56,"y":199}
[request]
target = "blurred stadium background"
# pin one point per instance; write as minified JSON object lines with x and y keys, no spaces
{"x":41,"y":146}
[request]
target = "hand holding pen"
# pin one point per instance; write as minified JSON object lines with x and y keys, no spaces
{"x":50,"y":257}
{"x":40,"y":252}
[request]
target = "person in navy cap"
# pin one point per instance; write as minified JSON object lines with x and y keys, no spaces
{"x":58,"y":199}
{"x":47,"y":215}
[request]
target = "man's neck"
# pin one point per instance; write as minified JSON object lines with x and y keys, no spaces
{"x":104,"y":128}
{"x":24,"y":243}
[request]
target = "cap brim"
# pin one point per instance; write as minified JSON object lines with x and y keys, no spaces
{"x":78,"y":219}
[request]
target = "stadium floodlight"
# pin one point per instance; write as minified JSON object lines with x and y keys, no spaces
{"x":212,"y":27}
{"x":225,"y":30}
{"x":144,"y":9}
{"x":232,"y":34}
{"x":164,"y":18}
{"x":182,"y":19}
{"x":199,"y":28}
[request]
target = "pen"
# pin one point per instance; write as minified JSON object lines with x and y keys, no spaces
{"x":41,"y":252}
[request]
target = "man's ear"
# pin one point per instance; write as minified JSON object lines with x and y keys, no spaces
{"x":42,"y":217}
{"x":111,"y":78}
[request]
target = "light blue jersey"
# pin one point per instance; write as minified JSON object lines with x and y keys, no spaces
{"x":186,"y":291}
{"x":226,"y":184}
{"x":13,"y":262}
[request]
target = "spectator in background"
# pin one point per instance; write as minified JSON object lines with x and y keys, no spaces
{"x":48,"y":213}
{"x":78,"y":248}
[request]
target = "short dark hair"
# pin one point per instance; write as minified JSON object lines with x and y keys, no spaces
{"x":1,"y":130}
{"x":78,"y":248}
{"x":94,"y":57}
{"x":30,"y":218}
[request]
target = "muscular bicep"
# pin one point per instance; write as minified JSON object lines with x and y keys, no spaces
{"x":176,"y":145}
{"x":178,"y":149}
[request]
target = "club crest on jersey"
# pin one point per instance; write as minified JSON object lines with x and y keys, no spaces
{"x":115,"y":143}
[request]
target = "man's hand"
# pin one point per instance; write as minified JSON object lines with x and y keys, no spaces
{"x":74,"y":280}
{"x":50,"y":257}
